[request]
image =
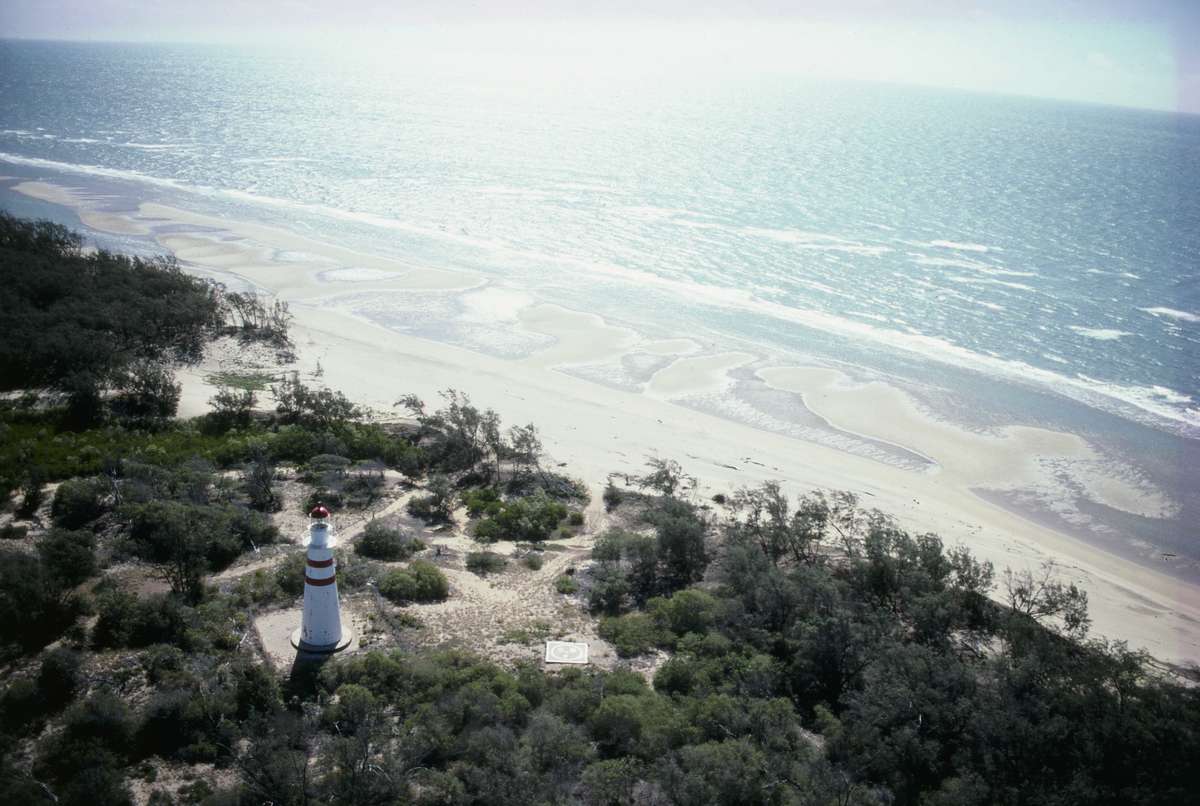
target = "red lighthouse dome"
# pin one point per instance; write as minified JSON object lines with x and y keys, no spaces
{"x":319,"y":511}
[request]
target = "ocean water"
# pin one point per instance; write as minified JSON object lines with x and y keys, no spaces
{"x":1005,"y":260}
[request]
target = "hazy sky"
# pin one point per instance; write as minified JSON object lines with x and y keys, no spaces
{"x":1128,"y":52}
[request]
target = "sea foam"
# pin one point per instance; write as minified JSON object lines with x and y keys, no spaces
{"x":1171,"y":313}
{"x":1100,"y":334}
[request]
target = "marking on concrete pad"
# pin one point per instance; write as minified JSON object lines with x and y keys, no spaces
{"x":566,"y":652}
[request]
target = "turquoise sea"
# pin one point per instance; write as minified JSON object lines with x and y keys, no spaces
{"x":1004,"y":260}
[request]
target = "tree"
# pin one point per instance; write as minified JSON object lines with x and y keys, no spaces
{"x":147,"y":392}
{"x":359,"y":769}
{"x":258,"y":319}
{"x":493,"y":441}
{"x":231,"y":408}
{"x":665,"y":477}
{"x":730,"y":771}
{"x":526,"y":449}
{"x":680,"y":535}
{"x":438,"y":505}
{"x":81,"y":325}
{"x":33,"y":493}
{"x":319,"y":408}
{"x":1040,"y":597}
{"x":259,"y":480}
{"x":907,"y":726}
{"x":763,"y":512}
{"x":276,"y":765}
{"x":171,"y":536}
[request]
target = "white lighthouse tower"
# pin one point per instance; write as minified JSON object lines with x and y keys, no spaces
{"x":321,"y":626}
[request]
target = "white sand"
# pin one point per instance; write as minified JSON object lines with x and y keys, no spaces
{"x":85,"y":207}
{"x":596,"y":430}
{"x":579,"y":337}
{"x":692,"y":376}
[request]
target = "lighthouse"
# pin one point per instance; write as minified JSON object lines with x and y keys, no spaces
{"x":321,"y":626}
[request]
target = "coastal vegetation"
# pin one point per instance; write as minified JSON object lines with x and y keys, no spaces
{"x":772,"y":650}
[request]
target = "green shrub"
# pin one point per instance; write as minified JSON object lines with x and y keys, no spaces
{"x":323,"y":496}
{"x":231,"y":408}
{"x":488,"y":531}
{"x":177,"y":723}
{"x":10,"y":531}
{"x":481,"y":500}
{"x":289,"y":574}
{"x":59,"y":676}
{"x":32,"y":495}
{"x":364,"y":486}
{"x":255,"y":689}
{"x":438,"y":505}
{"x":687,"y":611}
{"x":533,"y":561}
{"x":78,"y":502}
{"x":124,"y":620}
{"x":612,"y":780}
{"x":566,"y":584}
{"x":323,"y":468}
{"x":103,"y":719}
{"x":163,"y":663}
{"x":612,"y":497}
{"x":382,"y":542}
{"x":355,"y":572}
{"x":643,"y":725}
{"x":190,"y":539}
{"x":261,"y":587}
{"x":68,"y":557}
{"x":575,"y":518}
{"x":22,"y":703}
{"x":485,"y":562}
{"x":34,"y":607}
{"x":609,"y":589}
{"x":420,"y":582}
{"x":531,"y":519}
{"x":631,"y":634}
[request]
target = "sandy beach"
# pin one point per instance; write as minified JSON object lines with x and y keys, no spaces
{"x":597,"y":429}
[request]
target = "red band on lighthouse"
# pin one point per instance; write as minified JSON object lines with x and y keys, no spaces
{"x":319,"y":582}
{"x":320,"y":563}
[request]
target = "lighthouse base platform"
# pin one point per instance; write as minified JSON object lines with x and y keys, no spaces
{"x":347,"y":638}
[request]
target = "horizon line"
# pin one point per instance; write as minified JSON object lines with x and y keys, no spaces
{"x":310,"y":42}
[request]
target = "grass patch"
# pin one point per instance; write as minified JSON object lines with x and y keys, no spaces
{"x":253,"y":381}
{"x":534,"y":633}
